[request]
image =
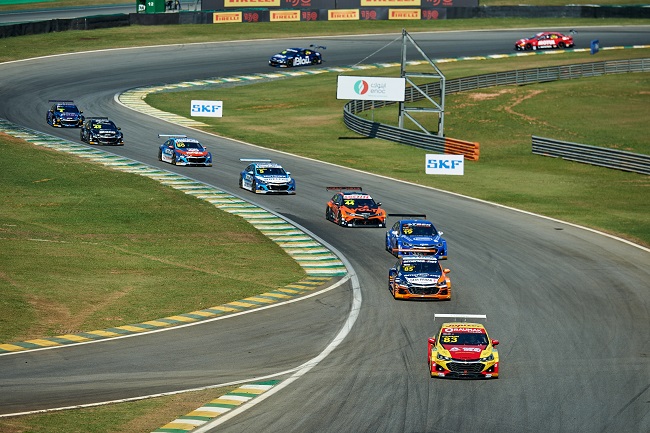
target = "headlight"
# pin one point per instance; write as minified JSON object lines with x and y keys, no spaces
{"x":260,"y":180}
{"x":443,"y":358}
{"x":487,"y":358}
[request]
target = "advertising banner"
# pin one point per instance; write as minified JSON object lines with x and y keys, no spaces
{"x":404,"y":14}
{"x":285,"y":15}
{"x":445,"y":164}
{"x":226,"y":17}
{"x":251,"y":3}
{"x":200,"y":108}
{"x":343,"y":14}
{"x":390,"y":3}
{"x":370,"y":88}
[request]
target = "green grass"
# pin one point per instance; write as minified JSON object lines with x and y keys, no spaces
{"x":113,"y":248}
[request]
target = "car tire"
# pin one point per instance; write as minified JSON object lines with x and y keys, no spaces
{"x":254,"y":186}
{"x":340,"y":219}
{"x":328,"y":216}
{"x":241,"y":182}
{"x":561,"y":45}
{"x":528,"y":47}
{"x":174,"y":159}
{"x":159,"y":155}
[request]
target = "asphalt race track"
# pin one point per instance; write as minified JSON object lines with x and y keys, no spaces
{"x":569,"y":306}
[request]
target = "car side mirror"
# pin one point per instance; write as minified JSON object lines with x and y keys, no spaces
{"x":432,"y":340}
{"x":80,"y":112}
{"x":441,"y":233}
{"x":379,"y":203}
{"x":394,"y":232}
{"x":119,"y":129}
{"x":495,"y":342}
{"x":446,"y":271}
{"x":288,"y":173}
{"x":249,"y":172}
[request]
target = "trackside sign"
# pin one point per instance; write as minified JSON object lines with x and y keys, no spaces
{"x":207,"y":108}
{"x":371,"y":88}
{"x":445,"y":164}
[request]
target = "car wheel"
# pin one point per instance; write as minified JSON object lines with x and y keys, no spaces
{"x":561,"y":45}
{"x":328,"y":216}
{"x":174,"y":159}
{"x":253,"y":186}
{"x":340,"y":220}
{"x":529,"y":47}
{"x":81,"y":136}
{"x":241,"y":182}
{"x":159,"y":155}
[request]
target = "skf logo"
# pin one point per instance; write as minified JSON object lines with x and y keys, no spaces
{"x":206,"y":108}
{"x":361,"y":87}
{"x":445,"y":164}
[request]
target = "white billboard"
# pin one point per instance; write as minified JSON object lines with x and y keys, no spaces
{"x":445,"y":164}
{"x":206,"y":108}
{"x":370,"y":88}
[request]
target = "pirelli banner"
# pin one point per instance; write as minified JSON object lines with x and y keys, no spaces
{"x":319,"y":7}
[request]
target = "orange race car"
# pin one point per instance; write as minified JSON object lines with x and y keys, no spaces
{"x":350,"y":207}
{"x":462,"y":349}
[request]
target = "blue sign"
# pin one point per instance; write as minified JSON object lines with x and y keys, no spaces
{"x":594,"y":46}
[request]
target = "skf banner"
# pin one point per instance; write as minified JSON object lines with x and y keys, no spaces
{"x":251,"y":3}
{"x":342,"y":14}
{"x":404,"y":14}
{"x":371,"y":88}
{"x":392,"y":3}
{"x":285,"y":16}
{"x":226,"y":17}
{"x":445,"y":164}
{"x":207,"y":108}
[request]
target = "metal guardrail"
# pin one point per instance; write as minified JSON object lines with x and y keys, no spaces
{"x":594,"y":155}
{"x":434,"y":143}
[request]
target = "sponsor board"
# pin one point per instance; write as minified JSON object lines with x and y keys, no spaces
{"x":445,"y":164}
{"x":251,"y":3}
{"x":409,"y":3}
{"x":404,"y":14}
{"x":343,"y":14}
{"x":226,"y":17}
{"x":370,"y":88}
{"x":285,"y":15}
{"x":206,"y":108}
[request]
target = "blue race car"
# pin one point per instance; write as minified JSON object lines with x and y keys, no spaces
{"x":64,"y":113}
{"x":262,"y":176}
{"x":180,"y":150}
{"x":419,"y":277}
{"x":297,"y":57}
{"x":414,"y":236}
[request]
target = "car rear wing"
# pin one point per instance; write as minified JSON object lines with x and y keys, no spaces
{"x":254,"y":160}
{"x":459,"y":316}
{"x":317,"y":47}
{"x":344,"y":188}
{"x":96,"y":118}
{"x":63,"y":101}
{"x":407,"y":215}
{"x":173,"y":135}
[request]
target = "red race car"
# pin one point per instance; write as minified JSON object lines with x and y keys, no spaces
{"x":350,"y":207}
{"x":544,"y":40}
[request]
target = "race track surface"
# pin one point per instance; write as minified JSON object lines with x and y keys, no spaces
{"x":569,"y":306}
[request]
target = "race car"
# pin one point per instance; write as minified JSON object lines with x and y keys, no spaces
{"x":463,"y":350}
{"x":415,"y":236}
{"x":419,"y":277}
{"x":350,"y":207}
{"x":64,"y":113}
{"x":544,"y":40}
{"x":101,"y":130}
{"x":297,"y":57}
{"x":262,"y":176}
{"x":180,"y":150}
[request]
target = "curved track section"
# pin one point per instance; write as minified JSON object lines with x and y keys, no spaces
{"x":570,"y":306}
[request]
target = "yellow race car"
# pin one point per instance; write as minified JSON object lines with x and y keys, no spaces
{"x":462,"y":349}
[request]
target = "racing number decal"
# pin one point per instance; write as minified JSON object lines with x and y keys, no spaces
{"x":408,"y":268}
{"x":261,"y":170}
{"x":180,"y":144}
{"x":450,"y":339}
{"x":349,"y":202}
{"x":407,"y":230}
{"x":97,"y":126}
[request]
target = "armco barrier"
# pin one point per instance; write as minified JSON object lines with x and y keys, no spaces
{"x":600,"y":156}
{"x":518,"y":77}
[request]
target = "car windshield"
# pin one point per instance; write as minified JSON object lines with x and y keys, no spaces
{"x":105,"y":125}
{"x":359,"y":202}
{"x":428,"y":267}
{"x":271,"y":171}
{"x":68,"y":108}
{"x":188,"y":145}
{"x":464,"y":338}
{"x":417,"y":230}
